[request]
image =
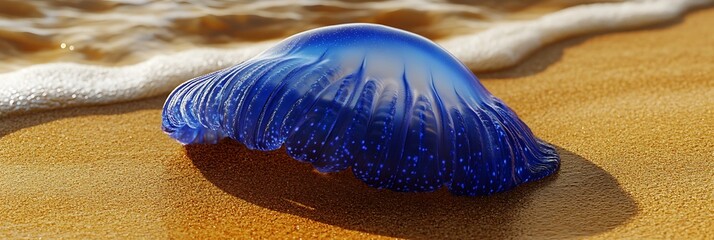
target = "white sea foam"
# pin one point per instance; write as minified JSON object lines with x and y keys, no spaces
{"x":506,"y":45}
{"x":58,"y":85}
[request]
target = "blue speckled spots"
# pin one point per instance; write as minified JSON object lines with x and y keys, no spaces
{"x":394,"y":107}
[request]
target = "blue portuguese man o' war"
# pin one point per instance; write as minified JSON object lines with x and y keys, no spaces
{"x":394,"y":107}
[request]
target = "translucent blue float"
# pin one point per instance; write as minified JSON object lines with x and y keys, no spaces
{"x":399,"y":110}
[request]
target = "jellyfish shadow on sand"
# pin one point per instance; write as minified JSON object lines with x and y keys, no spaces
{"x":580,"y":200}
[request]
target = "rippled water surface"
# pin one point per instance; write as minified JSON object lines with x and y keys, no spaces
{"x":128,"y":31}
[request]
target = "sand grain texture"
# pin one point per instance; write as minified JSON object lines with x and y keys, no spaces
{"x":632,"y":114}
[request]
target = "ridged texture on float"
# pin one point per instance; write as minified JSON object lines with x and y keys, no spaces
{"x":400,"y":111}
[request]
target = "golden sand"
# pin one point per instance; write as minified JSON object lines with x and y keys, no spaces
{"x":632,"y":114}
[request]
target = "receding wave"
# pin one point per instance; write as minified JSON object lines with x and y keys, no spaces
{"x":124,"y":32}
{"x":57,"y":85}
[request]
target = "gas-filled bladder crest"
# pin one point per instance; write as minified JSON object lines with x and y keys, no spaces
{"x":393,"y":106}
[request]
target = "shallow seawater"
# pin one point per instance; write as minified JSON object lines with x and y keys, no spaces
{"x":124,"y":32}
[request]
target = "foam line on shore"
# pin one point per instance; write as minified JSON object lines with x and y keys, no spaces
{"x":59,"y":85}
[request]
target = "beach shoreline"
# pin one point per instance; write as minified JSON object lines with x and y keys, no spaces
{"x":630,"y":112}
